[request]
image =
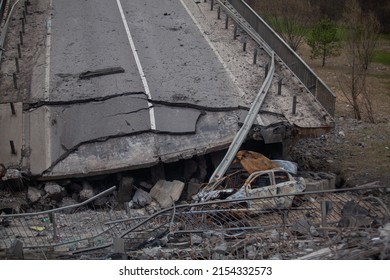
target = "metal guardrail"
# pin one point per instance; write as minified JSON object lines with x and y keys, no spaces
{"x":254,"y":110}
{"x":246,"y":127}
{"x":304,"y":73}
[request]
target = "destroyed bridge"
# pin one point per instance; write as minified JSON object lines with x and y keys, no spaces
{"x":101,"y":87}
{"x":97,"y":87}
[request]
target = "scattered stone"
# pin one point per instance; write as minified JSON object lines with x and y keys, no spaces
{"x":135,"y":213}
{"x":276,"y":257}
{"x":153,"y":207}
{"x":34,"y":194}
{"x":153,"y":253}
{"x":54,"y":191}
{"x":87,"y":192}
{"x":125,"y":189}
{"x":314,"y":232}
{"x":275,"y":235}
{"x":251,"y":252}
{"x":10,"y":174}
{"x":301,"y":226}
{"x":196,"y":239}
{"x":142,"y":198}
{"x":221,"y":248}
{"x":68,"y":201}
{"x":166,"y":193}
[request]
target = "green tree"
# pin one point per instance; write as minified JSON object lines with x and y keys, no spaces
{"x":324,"y":40}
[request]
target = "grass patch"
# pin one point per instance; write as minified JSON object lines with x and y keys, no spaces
{"x":382,"y":57}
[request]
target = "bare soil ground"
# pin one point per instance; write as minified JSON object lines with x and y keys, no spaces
{"x":359,"y":151}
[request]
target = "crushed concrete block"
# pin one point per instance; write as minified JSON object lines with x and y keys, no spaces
{"x":320,"y":181}
{"x":221,"y":248}
{"x":196,"y":239}
{"x":87,"y":192}
{"x":34,"y":194}
{"x":166,"y":193}
{"x":54,"y":191}
{"x":142,"y":198}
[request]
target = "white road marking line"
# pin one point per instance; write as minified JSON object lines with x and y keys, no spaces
{"x":139,"y":66}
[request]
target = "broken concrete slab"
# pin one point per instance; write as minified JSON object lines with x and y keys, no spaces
{"x":166,"y":193}
{"x":320,"y":184}
{"x":54,"y":191}
{"x":34,"y":194}
{"x":176,"y":119}
{"x":91,"y":121}
{"x":111,"y":155}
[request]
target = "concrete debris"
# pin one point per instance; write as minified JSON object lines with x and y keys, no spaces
{"x":87,"y":192}
{"x":166,"y":193}
{"x":385,"y":232}
{"x":354,"y":215}
{"x":153,"y":207}
{"x":34,"y":194}
{"x":142,"y":198}
{"x":196,"y":239}
{"x":302,"y":226}
{"x":10,"y":174}
{"x":320,"y":181}
{"x":154,"y":252}
{"x":221,"y":248}
{"x":54,"y":191}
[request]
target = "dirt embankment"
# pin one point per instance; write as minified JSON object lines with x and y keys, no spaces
{"x":359,"y":151}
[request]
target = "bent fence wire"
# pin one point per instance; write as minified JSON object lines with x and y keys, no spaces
{"x":315,"y":220}
{"x":250,"y":228}
{"x":76,"y":226}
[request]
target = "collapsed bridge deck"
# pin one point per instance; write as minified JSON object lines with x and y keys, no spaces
{"x":184,"y":87}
